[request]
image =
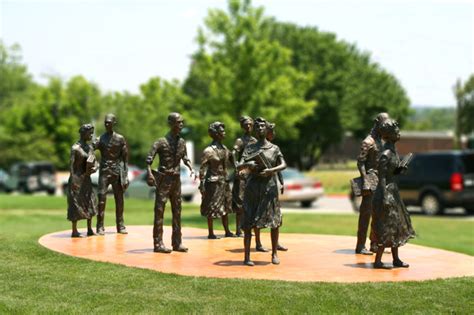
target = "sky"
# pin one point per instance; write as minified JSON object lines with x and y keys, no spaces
{"x":120,"y":44}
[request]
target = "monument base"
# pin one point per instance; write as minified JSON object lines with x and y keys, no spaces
{"x":311,"y":257}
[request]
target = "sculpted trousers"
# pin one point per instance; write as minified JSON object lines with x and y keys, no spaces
{"x":364,"y":219}
{"x":104,"y":181}
{"x":168,"y":187}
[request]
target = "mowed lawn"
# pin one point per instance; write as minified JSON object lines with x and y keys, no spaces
{"x":34,"y":279}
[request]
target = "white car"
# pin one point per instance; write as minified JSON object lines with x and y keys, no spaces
{"x":300,"y":188}
{"x":138,"y":188}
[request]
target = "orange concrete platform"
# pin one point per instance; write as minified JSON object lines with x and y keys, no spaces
{"x":311,"y":257}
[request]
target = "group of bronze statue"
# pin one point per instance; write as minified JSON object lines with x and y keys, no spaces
{"x":254,"y":195}
{"x":378,"y":164}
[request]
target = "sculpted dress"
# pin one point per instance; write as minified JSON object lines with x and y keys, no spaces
{"x":81,"y":199}
{"x":261,"y":204}
{"x":216,"y":199}
{"x":391,"y":223}
{"x":239,"y":180}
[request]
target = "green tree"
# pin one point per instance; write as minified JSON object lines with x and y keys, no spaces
{"x":142,"y":118}
{"x":349,"y":88}
{"x":464,"y":93}
{"x":239,"y":70}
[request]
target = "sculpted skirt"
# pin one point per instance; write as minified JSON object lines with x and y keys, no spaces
{"x":261,"y":204}
{"x":81,"y":202}
{"x":391,"y":223}
{"x":216,"y":199}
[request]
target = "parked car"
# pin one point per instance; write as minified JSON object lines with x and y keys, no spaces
{"x":28,"y":177}
{"x":438,"y":180}
{"x":300,"y":188}
{"x":3,"y":179}
{"x":133,"y":172}
{"x":138,"y":188}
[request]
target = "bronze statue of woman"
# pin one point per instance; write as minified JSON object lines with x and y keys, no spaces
{"x":271,"y":134}
{"x":391,"y":223}
{"x":215,"y":189}
{"x":263,"y":160}
{"x":246,"y":123}
{"x":81,"y":199}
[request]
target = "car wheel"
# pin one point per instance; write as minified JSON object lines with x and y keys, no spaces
{"x":431,"y":205}
{"x":469,"y":210}
{"x":306,"y":203}
{"x":188,"y":198}
{"x":51,"y":192}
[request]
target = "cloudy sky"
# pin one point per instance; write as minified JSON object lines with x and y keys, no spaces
{"x":426,"y":44}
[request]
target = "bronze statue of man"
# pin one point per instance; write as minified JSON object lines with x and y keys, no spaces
{"x":246,"y":123}
{"x":171,"y":149}
{"x":113,"y":170}
{"x":367,"y":165}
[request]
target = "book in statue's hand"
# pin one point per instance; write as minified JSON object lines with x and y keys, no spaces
{"x":406,"y":160}
{"x":91,"y":164}
{"x":370,"y":183}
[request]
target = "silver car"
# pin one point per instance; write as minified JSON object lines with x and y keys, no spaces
{"x":300,"y":188}
{"x":138,"y":187}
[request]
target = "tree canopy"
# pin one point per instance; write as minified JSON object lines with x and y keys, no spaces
{"x":312,"y":85}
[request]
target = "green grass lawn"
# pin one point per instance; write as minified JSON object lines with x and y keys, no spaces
{"x":335,"y":181}
{"x":34,"y":279}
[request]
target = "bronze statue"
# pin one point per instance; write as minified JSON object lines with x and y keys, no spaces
{"x":215,"y":189}
{"x":81,"y":199}
{"x":271,"y":134}
{"x":113,"y":170}
{"x":367,"y":165}
{"x":171,"y":149}
{"x":262,"y":160}
{"x":246,"y":123}
{"x":391,"y":224}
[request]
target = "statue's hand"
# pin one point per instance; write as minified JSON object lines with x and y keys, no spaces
{"x":150,"y":180}
{"x":266,"y":172}
{"x":282,"y":189}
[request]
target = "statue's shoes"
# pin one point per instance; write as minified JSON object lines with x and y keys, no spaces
{"x":212,"y":237}
{"x":180,"y":248}
{"x":122,"y":230}
{"x":76,"y":235}
{"x":100,"y":231}
{"x":382,"y":266}
{"x":262,"y":249}
{"x":363,"y":251}
{"x":400,"y":264}
{"x":162,"y":249}
{"x":90,"y":233}
{"x":275,"y":260}
{"x":230,"y":234}
{"x":282,"y":248}
{"x":249,"y":263}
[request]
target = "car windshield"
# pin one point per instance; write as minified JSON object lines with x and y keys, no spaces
{"x":292,"y":174}
{"x":468,"y":161}
{"x":42,"y":168}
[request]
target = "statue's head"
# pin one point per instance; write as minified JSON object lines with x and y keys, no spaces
{"x":246,"y":123}
{"x":86,"y":131}
{"x":389,"y":130}
{"x":110,"y":121}
{"x":216,"y":130}
{"x":271,"y":131}
{"x":260,"y":127}
{"x":380,"y":118}
{"x":176,"y":122}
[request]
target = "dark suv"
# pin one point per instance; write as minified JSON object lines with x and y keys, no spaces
{"x":30,"y":177}
{"x":439,"y":180}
